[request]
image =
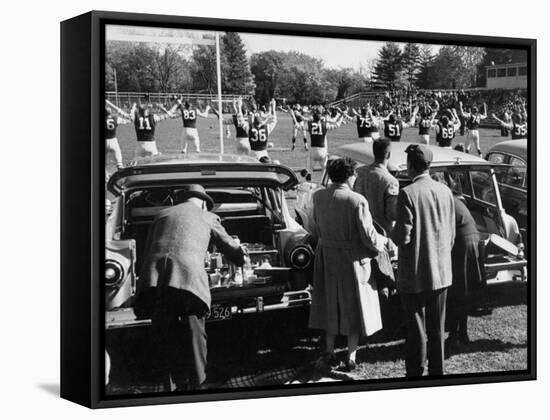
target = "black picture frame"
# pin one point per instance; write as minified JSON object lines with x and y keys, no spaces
{"x":82,"y":208}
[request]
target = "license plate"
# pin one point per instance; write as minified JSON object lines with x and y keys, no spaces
{"x":219,"y":313}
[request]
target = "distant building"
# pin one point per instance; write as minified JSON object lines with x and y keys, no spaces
{"x":507,"y":76}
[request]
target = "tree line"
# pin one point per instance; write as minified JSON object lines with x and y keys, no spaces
{"x":293,"y":76}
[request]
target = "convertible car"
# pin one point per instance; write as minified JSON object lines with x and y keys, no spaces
{"x":249,"y":198}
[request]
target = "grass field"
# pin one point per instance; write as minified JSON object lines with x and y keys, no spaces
{"x":168,"y":134}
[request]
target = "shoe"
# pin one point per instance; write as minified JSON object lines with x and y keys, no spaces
{"x":481,"y":311}
{"x":306,"y":147}
{"x":325,"y":362}
{"x":293,"y":147}
{"x":347,"y":366}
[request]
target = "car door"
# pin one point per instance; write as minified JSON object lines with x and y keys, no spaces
{"x":513,"y":187}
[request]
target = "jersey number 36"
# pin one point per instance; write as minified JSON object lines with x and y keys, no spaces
{"x":258,"y":135}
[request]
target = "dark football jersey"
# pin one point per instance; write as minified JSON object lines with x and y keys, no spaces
{"x":145,"y":127}
{"x":189,"y":117}
{"x":519,"y":131}
{"x":445,"y":135}
{"x":365,"y":127}
{"x":111,"y":125}
{"x":473,"y":122}
{"x":424,"y":126}
{"x":257,"y":136}
{"x":241,"y":132}
{"x":318,"y":133}
{"x":393,"y":131}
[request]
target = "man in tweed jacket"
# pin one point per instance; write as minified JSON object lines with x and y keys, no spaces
{"x":173,"y":286}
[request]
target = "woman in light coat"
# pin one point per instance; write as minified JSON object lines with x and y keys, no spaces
{"x":345,"y":298}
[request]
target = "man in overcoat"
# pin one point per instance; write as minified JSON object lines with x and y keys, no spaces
{"x":425,"y":233}
{"x":345,"y":298}
{"x":173,"y":285}
{"x":378,"y":186}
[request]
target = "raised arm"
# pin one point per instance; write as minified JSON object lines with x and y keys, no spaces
{"x":133,"y":112}
{"x":272,"y":120}
{"x":205,"y":113}
{"x":461,"y":109}
{"x":117,"y":109}
{"x":501,"y":122}
{"x":484,"y":115}
{"x":413,"y":118}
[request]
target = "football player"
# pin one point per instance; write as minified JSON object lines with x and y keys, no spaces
{"x":242,"y":144}
{"x":258,"y":129}
{"x":145,"y":122}
{"x":114,"y":116}
{"x":446,"y":129}
{"x":367,"y":124}
{"x":298,"y":124}
{"x":189,"y":116}
{"x":473,"y":119}
{"x":394,"y":125}
{"x":517,"y":125}
{"x":425,"y":123}
{"x":318,"y":126}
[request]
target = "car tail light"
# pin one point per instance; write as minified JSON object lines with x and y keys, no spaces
{"x":301,"y":257}
{"x":298,"y":252}
{"x":114,"y":273}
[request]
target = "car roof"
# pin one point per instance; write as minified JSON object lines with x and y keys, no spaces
{"x":362,"y":153}
{"x":200,"y":168}
{"x":512,"y":147}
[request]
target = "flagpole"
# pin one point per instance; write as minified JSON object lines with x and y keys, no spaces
{"x":219,"y":75}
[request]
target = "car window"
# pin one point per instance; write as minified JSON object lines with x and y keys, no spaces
{"x":456,"y":179}
{"x":483,"y":187}
{"x":496,"y":157}
{"x":515,"y":176}
{"x":516,"y":161}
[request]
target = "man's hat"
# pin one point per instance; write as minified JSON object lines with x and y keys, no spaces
{"x":419,"y":153}
{"x":196,"y":190}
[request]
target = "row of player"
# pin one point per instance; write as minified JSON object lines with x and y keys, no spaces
{"x":254,"y":126}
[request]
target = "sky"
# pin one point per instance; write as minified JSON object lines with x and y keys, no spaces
{"x":336,"y":53}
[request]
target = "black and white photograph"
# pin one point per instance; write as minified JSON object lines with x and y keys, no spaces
{"x":285,"y":210}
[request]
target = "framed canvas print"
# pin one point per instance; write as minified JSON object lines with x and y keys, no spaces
{"x":256,"y":209}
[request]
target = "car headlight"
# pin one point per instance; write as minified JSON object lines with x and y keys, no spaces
{"x":114,"y":273}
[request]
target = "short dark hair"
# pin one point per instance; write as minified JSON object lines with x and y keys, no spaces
{"x":381,"y":148}
{"x":418,"y":165}
{"x":341,"y":169}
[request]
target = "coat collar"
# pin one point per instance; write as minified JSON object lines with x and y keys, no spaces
{"x":343,"y":186}
{"x":421,"y":176}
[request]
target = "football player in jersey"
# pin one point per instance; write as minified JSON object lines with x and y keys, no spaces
{"x":318,"y":126}
{"x":258,"y":129}
{"x":145,"y":122}
{"x":367,"y":124}
{"x":473,"y":120}
{"x":242,"y":144}
{"x":114,"y":116}
{"x":446,"y":129}
{"x":425,"y":123}
{"x":517,"y":125}
{"x":394,"y":125}
{"x":189,"y":116}
{"x":298,"y":124}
